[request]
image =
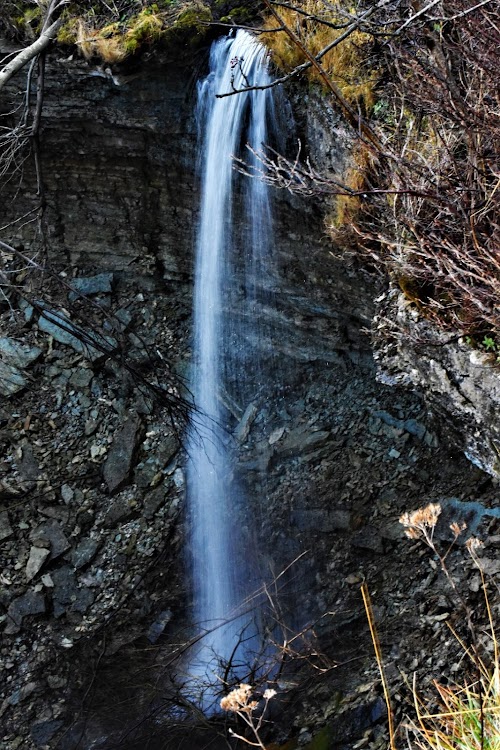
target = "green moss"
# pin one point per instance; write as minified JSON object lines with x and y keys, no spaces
{"x":67,"y":33}
{"x":145,"y":28}
{"x":194,"y":18}
{"x":29,"y":21}
{"x":166,"y":21}
{"x":241,"y":14}
{"x":191,"y":25}
{"x":321,"y":741}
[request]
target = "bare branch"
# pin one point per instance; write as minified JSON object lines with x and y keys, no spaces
{"x":27,"y":54}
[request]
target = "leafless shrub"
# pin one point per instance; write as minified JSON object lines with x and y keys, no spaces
{"x":422,"y":200}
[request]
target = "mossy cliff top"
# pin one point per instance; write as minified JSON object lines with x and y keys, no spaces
{"x":116,"y":31}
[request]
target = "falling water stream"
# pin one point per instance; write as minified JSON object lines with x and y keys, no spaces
{"x":233,"y":245}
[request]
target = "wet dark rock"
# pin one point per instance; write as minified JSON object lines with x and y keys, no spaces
{"x":11,"y":379}
{"x":50,"y":535}
{"x":339,"y":520}
{"x":119,"y":460}
{"x":28,"y":467}
{"x":5,"y":527}
{"x":369,"y":539}
{"x":84,"y":552}
{"x":101,"y":283}
{"x":38,"y":556}
{"x":67,"y":594}
{"x":30,"y":603}
{"x":310,"y":519}
{"x":158,"y":626}
{"x":301,"y":441}
{"x":58,"y":512}
{"x":154,"y":500}
{"x":18,"y":355}
{"x":119,"y":510}
{"x":353,"y":721}
{"x":44,"y":731}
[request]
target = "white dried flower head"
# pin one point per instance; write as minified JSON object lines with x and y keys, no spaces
{"x":269,"y":693}
{"x":412,"y":534}
{"x":422,"y":520}
{"x":473,"y":544}
{"x":457,"y":528}
{"x":237,"y":699}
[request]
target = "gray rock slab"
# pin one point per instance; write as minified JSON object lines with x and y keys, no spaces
{"x":81,"y":378}
{"x":28,"y":467}
{"x":62,"y":330}
{"x":5,"y":527}
{"x":369,"y":539}
{"x":67,"y":594}
{"x":245,"y":424}
{"x":12,"y":380}
{"x":415,"y":428}
{"x":156,"y":629}
{"x":119,"y":460}
{"x":30,"y":603}
{"x":101,"y":283}
{"x":153,"y":501}
{"x":301,"y":441}
{"x":119,"y":510}
{"x":37,"y":557}
{"x":44,"y":731}
{"x":17,"y":354}
{"x":50,"y":533}
{"x":84,"y":552}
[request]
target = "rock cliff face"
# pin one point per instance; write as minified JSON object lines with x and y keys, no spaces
{"x":460,"y":383}
{"x":92,"y":482}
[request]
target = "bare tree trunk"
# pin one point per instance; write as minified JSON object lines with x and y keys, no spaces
{"x":27,"y":54}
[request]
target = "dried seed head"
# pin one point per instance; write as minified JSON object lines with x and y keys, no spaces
{"x":237,"y":699}
{"x":269,"y":693}
{"x":457,"y":528}
{"x":473,"y":544}
{"x":420,"y":521}
{"x":412,"y":534}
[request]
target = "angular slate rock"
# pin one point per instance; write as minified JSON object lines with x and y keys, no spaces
{"x":62,"y":330}
{"x":101,"y":283}
{"x":12,"y":380}
{"x":50,"y":533}
{"x":67,"y":595}
{"x":30,"y":603}
{"x":37,"y":557}
{"x":44,"y":731}
{"x":119,"y":460}
{"x":17,"y":354}
{"x":84,"y":552}
{"x":5,"y":527}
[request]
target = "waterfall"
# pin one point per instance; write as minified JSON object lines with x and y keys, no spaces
{"x":229,"y":274}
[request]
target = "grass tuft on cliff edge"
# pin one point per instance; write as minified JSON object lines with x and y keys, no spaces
{"x":113,"y":31}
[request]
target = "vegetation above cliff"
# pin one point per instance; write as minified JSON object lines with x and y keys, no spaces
{"x":419,"y":87}
{"x":113,"y":31}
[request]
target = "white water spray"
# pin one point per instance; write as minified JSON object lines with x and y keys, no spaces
{"x":230,"y":263}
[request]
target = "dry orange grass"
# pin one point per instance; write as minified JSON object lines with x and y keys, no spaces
{"x":345,"y":64}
